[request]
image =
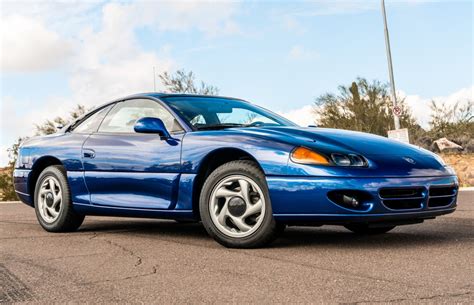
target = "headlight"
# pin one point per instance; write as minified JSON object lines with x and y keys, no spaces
{"x":304,"y":155}
{"x":348,"y":160}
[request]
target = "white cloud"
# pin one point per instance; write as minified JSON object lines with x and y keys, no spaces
{"x":211,"y":18}
{"x":27,"y":45}
{"x":420,"y":106}
{"x":111,"y":62}
{"x":299,"y":52}
{"x":303,"y":116}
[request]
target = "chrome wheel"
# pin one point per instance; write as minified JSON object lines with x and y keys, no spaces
{"x":50,"y":199}
{"x":237,"y":206}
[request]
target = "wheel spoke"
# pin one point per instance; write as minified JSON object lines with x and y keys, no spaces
{"x":43,"y":191}
{"x":244,"y":190}
{"x":226,"y":193}
{"x":52,"y":212}
{"x":44,"y":208}
{"x":253,"y":208}
{"x":57,"y":199}
{"x":51,"y":185}
{"x":223,"y":214}
{"x":239,"y":222}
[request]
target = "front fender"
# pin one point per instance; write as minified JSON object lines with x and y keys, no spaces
{"x":272,"y":156}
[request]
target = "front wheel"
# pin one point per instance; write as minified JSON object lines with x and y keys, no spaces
{"x":364,"y":229}
{"x":235,"y":206}
{"x":53,"y":204}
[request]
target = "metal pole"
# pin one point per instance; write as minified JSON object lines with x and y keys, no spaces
{"x":154,"y":79}
{"x":390,"y":68}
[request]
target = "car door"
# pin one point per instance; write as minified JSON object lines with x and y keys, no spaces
{"x":72,"y":145}
{"x":126,"y":169}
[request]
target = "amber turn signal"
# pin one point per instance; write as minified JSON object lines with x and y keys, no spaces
{"x":307,"y":156}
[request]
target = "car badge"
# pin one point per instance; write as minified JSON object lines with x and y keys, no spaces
{"x":409,"y":160}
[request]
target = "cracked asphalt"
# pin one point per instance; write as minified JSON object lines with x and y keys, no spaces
{"x":155,"y":261}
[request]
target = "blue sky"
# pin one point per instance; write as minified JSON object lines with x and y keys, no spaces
{"x":278,"y":54}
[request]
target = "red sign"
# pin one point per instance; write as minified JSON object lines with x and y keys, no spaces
{"x":397,"y":110}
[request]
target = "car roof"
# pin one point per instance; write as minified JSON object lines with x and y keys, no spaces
{"x":160,"y":95}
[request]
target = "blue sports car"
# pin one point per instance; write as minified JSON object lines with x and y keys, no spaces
{"x":243,"y":171}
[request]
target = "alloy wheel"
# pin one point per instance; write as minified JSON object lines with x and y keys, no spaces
{"x":50,"y":199}
{"x":237,"y":206}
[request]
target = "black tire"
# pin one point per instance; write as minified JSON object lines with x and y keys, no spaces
{"x":67,"y":220}
{"x":268,"y":229}
{"x":364,"y":229}
{"x":280,"y":229}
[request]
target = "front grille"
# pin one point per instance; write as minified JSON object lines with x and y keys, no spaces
{"x":441,"y":196}
{"x":403,"y":198}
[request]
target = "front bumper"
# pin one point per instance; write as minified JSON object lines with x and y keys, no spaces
{"x":305,"y":199}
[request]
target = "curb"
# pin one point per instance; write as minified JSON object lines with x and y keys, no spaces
{"x":466,"y":189}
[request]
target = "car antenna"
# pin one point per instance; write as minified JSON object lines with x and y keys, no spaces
{"x":154,"y":79}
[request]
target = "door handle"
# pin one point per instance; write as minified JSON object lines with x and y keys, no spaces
{"x":88,"y":153}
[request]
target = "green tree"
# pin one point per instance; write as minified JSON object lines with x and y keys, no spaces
{"x":363,"y":106}
{"x":7,"y":192}
{"x":185,"y":82}
{"x":455,"y":122}
{"x":51,"y":126}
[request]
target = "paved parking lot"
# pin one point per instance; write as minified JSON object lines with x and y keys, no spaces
{"x":155,"y":261}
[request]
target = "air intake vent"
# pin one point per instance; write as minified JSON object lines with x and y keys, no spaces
{"x":402,"y":198}
{"x":442,"y":196}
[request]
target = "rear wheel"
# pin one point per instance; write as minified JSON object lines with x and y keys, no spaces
{"x":53,"y":204}
{"x":364,"y":229}
{"x":235,"y":206}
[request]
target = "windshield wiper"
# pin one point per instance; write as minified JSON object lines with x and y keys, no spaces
{"x":219,"y":126}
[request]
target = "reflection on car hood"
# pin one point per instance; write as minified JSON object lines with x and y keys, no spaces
{"x":342,"y":140}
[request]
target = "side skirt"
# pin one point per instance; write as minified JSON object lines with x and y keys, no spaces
{"x":88,"y":209}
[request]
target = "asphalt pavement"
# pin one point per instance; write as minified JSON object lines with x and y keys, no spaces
{"x":133,"y":260}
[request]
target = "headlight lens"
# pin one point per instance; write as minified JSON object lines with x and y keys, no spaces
{"x":304,"y":155}
{"x":341,"y":160}
{"x":348,"y":160}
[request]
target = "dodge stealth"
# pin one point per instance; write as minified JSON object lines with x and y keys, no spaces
{"x":243,"y":171}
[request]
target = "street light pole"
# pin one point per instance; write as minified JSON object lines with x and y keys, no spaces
{"x":390,"y":69}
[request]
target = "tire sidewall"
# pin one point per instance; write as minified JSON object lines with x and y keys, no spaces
{"x":226,"y":170}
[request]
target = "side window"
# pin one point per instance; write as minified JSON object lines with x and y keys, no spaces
{"x":91,"y":124}
{"x":123,"y":116}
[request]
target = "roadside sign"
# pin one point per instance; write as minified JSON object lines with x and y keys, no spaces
{"x":399,"y":135}
{"x":397,"y":110}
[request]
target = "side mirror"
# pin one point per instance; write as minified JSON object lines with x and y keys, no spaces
{"x":152,"y":125}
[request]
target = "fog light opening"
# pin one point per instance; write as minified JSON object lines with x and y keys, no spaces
{"x":350,"y":199}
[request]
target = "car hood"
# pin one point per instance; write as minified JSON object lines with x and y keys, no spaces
{"x":337,"y":139}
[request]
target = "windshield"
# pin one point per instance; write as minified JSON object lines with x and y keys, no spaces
{"x":206,"y":113}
